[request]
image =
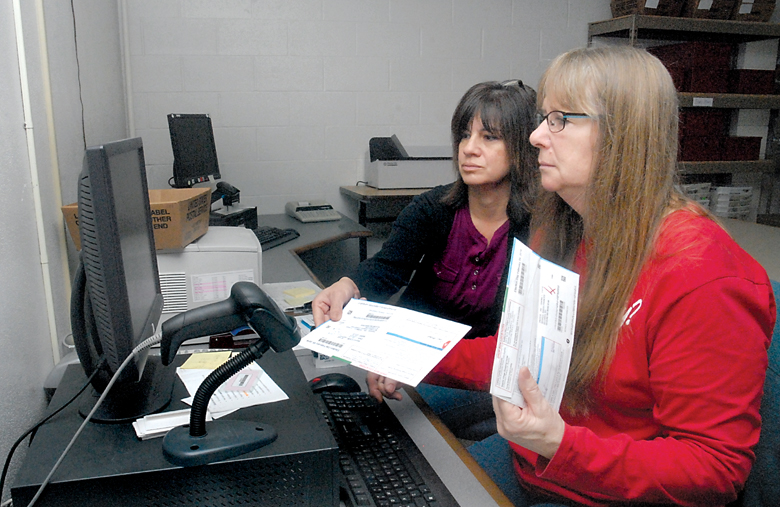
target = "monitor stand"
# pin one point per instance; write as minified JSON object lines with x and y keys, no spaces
{"x":128,"y":402}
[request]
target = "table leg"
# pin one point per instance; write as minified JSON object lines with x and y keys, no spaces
{"x":362,"y":221}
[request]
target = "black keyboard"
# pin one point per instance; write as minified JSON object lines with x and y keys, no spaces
{"x":270,"y":237}
{"x":381,"y":466}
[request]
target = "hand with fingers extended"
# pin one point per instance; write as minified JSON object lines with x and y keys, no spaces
{"x":382,"y":387}
{"x":537,"y":427}
{"x":327,"y":305}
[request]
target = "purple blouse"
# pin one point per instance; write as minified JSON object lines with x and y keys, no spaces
{"x":470,"y":270}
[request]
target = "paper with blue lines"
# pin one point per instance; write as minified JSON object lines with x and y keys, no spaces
{"x":395,"y":342}
{"x":537,"y":327}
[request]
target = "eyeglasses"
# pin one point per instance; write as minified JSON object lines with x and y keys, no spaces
{"x":556,"y":120}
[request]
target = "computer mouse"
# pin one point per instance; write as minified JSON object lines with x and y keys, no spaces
{"x":334,"y":383}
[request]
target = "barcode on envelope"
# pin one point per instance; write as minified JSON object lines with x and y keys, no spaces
{"x":561,"y":308}
{"x":331,"y":343}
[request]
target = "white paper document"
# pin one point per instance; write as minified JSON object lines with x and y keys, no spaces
{"x":251,"y":386}
{"x":395,"y":342}
{"x":537,"y":327}
{"x":157,"y":425}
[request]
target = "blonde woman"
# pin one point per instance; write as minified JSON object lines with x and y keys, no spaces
{"x":662,"y":398}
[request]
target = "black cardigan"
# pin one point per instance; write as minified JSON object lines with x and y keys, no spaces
{"x":418,"y":238}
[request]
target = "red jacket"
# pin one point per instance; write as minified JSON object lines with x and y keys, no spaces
{"x":678,"y":413}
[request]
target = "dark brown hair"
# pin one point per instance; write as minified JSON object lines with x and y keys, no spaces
{"x":507,"y":110}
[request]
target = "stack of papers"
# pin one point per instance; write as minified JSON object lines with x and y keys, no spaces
{"x":251,"y":386}
{"x":157,"y":425}
{"x":537,"y":327}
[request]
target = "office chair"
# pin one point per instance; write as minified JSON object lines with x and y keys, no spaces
{"x":763,"y":485}
{"x":762,"y":488}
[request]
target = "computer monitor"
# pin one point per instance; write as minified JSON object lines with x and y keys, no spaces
{"x":116,"y":300}
{"x":194,"y":150}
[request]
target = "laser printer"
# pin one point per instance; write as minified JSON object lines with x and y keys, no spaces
{"x":391,"y":166}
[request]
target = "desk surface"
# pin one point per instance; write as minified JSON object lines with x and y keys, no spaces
{"x":283,"y":263}
{"x":457,"y":469}
{"x":467,"y":482}
{"x":366,"y":193}
{"x":760,"y":241}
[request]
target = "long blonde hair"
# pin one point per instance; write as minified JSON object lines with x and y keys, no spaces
{"x":634,"y":101}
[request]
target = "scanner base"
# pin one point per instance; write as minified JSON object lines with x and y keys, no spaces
{"x":223,"y":440}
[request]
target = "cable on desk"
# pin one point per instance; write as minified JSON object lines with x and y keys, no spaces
{"x":39,"y":424}
{"x":152,"y":340}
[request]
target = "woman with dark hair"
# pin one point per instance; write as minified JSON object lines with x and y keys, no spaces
{"x":449,"y":248}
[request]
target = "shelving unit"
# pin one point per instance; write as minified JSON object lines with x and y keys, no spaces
{"x":635,"y":28}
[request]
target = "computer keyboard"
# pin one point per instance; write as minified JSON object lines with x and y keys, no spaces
{"x":381,"y":466}
{"x":270,"y":237}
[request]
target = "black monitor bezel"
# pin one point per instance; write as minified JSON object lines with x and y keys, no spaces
{"x":193,"y":166}
{"x":101,"y":315}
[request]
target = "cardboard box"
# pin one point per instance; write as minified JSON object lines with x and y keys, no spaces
{"x":753,"y":10}
{"x":179,"y":216}
{"x":649,"y":7}
{"x":708,"y":9}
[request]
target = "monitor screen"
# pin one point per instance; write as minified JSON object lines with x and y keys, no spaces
{"x":194,"y":150}
{"x":117,"y":301}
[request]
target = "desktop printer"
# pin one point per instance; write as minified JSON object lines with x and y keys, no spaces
{"x":200,"y":273}
{"x":204,"y":271}
{"x":390,"y":166}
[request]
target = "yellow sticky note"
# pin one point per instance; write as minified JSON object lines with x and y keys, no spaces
{"x":299,"y":292}
{"x":206,"y":360}
{"x":295,"y":302}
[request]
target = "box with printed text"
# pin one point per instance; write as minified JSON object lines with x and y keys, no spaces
{"x":179,"y":216}
{"x":647,"y":7}
{"x":708,"y":9}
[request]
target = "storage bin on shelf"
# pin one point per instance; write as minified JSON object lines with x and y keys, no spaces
{"x":652,"y":8}
{"x":753,"y":10}
{"x":731,"y":202}
{"x":697,"y":192}
{"x":708,"y":9}
{"x":697,"y":66}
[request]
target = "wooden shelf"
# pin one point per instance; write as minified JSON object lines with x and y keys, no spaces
{"x":729,"y":100}
{"x":727,"y":166}
{"x":636,"y":26}
{"x":641,"y":31}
